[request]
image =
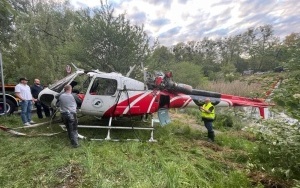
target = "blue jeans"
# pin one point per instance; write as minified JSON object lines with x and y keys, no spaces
{"x":209,"y":126}
{"x":26,"y":111}
{"x":210,"y":130}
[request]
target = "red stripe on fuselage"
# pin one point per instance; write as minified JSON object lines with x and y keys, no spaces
{"x":138,"y":105}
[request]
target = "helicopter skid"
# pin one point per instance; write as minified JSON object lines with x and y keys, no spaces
{"x":110,"y":127}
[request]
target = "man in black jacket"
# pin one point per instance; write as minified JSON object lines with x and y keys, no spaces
{"x":35,"y":90}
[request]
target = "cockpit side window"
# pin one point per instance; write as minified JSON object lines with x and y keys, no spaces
{"x":103,"y":86}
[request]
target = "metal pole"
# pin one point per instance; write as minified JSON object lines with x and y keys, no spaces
{"x":2,"y":82}
{"x":144,"y":75}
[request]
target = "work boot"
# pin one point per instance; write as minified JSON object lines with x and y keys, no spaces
{"x":211,"y":136}
{"x":74,"y":138}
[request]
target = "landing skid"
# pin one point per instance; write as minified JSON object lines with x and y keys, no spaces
{"x":110,"y":127}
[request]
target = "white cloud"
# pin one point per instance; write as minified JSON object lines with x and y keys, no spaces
{"x":174,"y":21}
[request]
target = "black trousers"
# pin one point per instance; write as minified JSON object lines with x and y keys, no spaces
{"x":70,"y":121}
{"x":39,"y":109}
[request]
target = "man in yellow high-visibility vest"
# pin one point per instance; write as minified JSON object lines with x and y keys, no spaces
{"x":208,"y":116}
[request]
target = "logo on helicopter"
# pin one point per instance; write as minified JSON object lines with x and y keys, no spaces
{"x":97,"y":103}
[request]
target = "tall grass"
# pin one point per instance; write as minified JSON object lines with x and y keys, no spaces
{"x":180,"y":158}
{"x":176,"y":160}
{"x":237,"y":87}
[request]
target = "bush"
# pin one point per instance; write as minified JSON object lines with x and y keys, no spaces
{"x":278,"y":150}
{"x":223,"y":120}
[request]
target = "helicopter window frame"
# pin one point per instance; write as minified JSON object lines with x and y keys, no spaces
{"x":60,"y":84}
{"x":103,"y":86}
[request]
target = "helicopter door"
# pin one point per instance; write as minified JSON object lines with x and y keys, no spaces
{"x":163,"y":112}
{"x":100,"y":96}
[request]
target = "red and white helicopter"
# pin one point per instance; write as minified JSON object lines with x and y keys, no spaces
{"x":111,"y":95}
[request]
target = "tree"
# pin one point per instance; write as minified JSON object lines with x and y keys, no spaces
{"x":160,"y":59}
{"x":288,"y":95}
{"x":262,"y":47}
{"x":38,"y":36}
{"x":188,"y":73}
{"x":108,"y":42}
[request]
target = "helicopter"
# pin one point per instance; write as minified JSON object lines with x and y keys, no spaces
{"x":112,"y":95}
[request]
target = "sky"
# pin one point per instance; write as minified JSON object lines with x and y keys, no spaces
{"x":174,"y":21}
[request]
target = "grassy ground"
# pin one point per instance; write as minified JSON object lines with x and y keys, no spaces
{"x":181,"y":157}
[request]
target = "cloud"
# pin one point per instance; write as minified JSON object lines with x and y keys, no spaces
{"x":251,"y":7}
{"x":182,"y":1}
{"x":221,"y":3}
{"x":139,"y":17}
{"x":166,"y":3}
{"x":160,"y":22}
{"x":186,"y":20}
{"x":79,"y":4}
{"x":170,"y":32}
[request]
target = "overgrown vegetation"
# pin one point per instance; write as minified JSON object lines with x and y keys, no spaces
{"x":181,"y":158}
{"x":278,"y":151}
{"x":47,"y":35}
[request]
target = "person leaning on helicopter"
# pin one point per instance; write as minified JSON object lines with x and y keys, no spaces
{"x":208,"y":116}
{"x":68,"y":108}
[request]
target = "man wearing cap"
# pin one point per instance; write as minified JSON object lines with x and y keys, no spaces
{"x":22,"y":91}
{"x":208,"y":116}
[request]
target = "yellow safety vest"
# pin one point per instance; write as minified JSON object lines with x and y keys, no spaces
{"x":208,"y":115}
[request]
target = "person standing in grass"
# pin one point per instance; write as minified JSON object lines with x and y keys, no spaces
{"x":208,"y":116}
{"x":68,"y":106}
{"x":22,"y":91}
{"x":40,"y":107}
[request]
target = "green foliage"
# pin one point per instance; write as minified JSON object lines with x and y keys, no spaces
{"x":228,"y":71}
{"x":223,"y":120}
{"x":235,"y":140}
{"x":188,"y":73}
{"x":108,"y":43}
{"x":288,"y":95}
{"x":174,"y":161}
{"x":50,"y":35}
{"x":278,"y":151}
{"x":160,"y":58}
{"x":37,"y":38}
{"x":8,"y":10}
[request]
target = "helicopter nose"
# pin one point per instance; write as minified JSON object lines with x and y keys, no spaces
{"x":47,"y":99}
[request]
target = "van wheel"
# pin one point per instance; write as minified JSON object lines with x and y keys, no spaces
{"x":10,"y":107}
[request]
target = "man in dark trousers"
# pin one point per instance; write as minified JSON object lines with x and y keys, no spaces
{"x":35,"y":90}
{"x":208,"y":116}
{"x":68,"y":106}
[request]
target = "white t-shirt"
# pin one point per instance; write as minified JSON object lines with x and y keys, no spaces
{"x":24,"y":91}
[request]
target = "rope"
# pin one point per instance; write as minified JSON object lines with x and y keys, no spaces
{"x":16,"y":133}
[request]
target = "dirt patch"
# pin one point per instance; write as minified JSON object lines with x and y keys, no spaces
{"x":210,"y":145}
{"x":267,"y":181}
{"x":70,"y":175}
{"x":249,"y":136}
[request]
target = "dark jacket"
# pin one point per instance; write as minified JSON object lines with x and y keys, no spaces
{"x":35,"y":90}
